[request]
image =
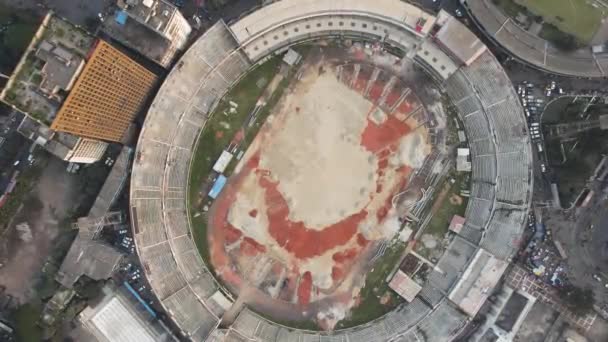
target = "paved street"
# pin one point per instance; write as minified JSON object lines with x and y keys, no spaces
{"x":76,"y":11}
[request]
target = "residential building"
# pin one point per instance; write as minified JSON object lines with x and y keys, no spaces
{"x":110,"y":91}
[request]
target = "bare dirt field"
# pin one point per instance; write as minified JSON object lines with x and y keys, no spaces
{"x":312,"y":195}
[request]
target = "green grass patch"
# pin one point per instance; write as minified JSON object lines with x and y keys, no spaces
{"x":440,"y":222}
{"x":375,"y":287}
{"x":510,"y":7}
{"x":25,"y":318}
{"x":217,"y":134}
{"x":576,"y":17}
{"x":561,"y":40}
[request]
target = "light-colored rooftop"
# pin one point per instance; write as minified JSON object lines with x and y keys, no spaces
{"x":460,"y":41}
{"x":405,"y":286}
{"x":477,"y":282}
{"x":282,"y":12}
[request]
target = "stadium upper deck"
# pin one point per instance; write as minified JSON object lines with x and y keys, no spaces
{"x":493,"y":118}
{"x":533,"y":49}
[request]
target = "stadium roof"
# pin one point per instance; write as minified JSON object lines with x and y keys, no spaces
{"x":459,"y":41}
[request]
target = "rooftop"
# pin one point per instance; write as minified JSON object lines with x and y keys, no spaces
{"x":154,"y":13}
{"x":139,"y":37}
{"x":477,"y":282}
{"x":60,"y":69}
{"x":88,"y":257}
{"x":113,"y":184}
{"x":51,"y":63}
{"x":459,"y":41}
{"x":405,"y":286}
{"x":117,"y":318}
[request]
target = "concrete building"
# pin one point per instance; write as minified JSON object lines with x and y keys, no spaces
{"x":60,"y":70}
{"x":121,"y":316}
{"x":155,"y":28}
{"x":106,"y":97}
{"x":64,"y":146}
{"x":457,"y":40}
{"x":405,"y":286}
{"x":88,"y":256}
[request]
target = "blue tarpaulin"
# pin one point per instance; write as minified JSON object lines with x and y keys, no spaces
{"x":138,"y":297}
{"x":217,"y":186}
{"x":121,"y":17}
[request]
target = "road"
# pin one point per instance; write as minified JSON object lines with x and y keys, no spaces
{"x":76,"y":11}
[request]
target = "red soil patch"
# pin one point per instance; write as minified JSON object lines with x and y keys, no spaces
{"x":345,"y":256}
{"x":253,"y":213}
{"x":377,"y":137}
{"x":295,"y":237}
{"x":404,"y":107}
{"x":376,"y":91}
{"x":305,"y":288}
{"x":238,"y":137}
{"x":250,"y":247}
{"x":382,"y":163}
{"x":336,"y":274}
{"x":392,"y":98}
{"x":361,"y":81}
{"x":361,"y":240}
{"x":382,"y":212}
{"x":231,"y":234}
{"x":231,"y":277}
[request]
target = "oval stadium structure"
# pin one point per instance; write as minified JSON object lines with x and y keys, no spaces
{"x":473,"y":79}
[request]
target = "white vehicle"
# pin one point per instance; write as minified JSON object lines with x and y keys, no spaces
{"x":539,"y":146}
{"x":543,"y":168}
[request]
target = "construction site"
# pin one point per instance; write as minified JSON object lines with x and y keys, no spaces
{"x":312,"y":201}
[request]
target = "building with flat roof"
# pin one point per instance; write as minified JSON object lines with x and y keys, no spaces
{"x":119,"y":317}
{"x":48,"y":68}
{"x":155,"y":28}
{"x":457,"y":40}
{"x":63,"y":145}
{"x":106,"y":97}
{"x":405,"y":286}
{"x":478,"y":281}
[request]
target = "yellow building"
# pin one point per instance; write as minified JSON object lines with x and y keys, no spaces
{"x":106,"y":97}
